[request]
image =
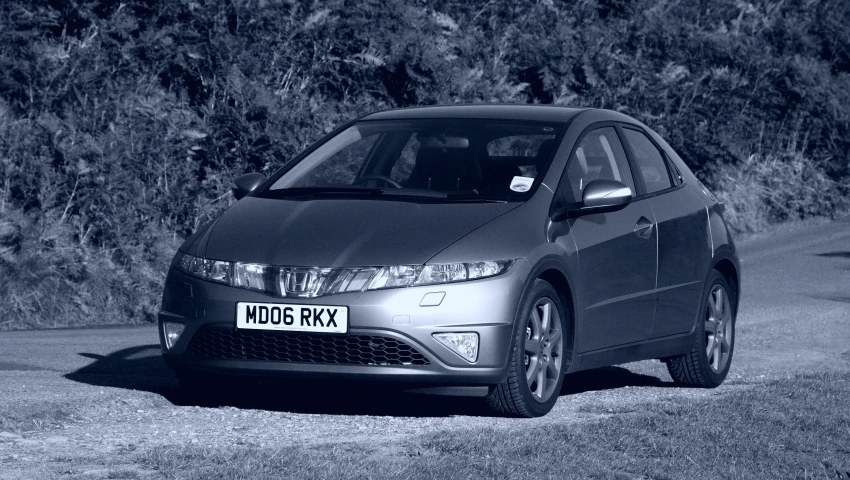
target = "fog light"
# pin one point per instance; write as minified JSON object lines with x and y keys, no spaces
{"x":464,"y":344}
{"x":172,"y":331}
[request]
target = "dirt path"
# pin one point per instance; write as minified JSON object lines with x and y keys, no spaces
{"x":76,"y":400}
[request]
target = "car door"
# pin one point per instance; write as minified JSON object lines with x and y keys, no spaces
{"x":616,"y":250}
{"x":683,"y":238}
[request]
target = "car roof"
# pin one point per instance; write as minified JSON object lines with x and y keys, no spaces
{"x":541,"y":113}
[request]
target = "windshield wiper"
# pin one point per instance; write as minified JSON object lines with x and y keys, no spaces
{"x":299,"y":191}
{"x":455,"y":197}
{"x":343,"y":190}
{"x":474,"y":197}
{"x":388,"y":192}
{"x":413,"y":192}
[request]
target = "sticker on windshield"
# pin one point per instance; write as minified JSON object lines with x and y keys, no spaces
{"x":521,"y":184}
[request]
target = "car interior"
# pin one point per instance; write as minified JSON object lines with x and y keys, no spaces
{"x":471,"y":166}
{"x":452,"y":161}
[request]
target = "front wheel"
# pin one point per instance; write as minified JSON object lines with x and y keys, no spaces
{"x":707,"y":363}
{"x":537,"y":360}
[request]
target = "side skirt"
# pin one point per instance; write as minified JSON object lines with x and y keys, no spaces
{"x":634,"y":352}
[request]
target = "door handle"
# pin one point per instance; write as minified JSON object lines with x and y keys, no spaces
{"x":643,"y":228}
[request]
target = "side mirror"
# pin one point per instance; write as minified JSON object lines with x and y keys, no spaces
{"x":245,"y":184}
{"x":598,"y":196}
{"x":604,"y":194}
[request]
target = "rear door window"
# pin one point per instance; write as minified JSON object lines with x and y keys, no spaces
{"x":649,"y":161}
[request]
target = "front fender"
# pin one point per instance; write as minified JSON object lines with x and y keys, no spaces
{"x":196,"y":244}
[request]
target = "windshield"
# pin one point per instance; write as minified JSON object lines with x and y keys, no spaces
{"x":444,"y":159}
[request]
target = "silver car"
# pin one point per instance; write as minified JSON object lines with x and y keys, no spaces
{"x":478,"y":250}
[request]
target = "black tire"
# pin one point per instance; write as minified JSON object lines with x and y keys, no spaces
{"x":694,"y":369}
{"x":514,"y":396}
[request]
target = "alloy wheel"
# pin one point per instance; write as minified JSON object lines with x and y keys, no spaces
{"x":543,"y":349}
{"x":718,"y":329}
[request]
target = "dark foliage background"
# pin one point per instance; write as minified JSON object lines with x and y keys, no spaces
{"x":122,"y":123}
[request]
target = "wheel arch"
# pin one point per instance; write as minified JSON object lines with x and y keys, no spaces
{"x":727,"y":265}
{"x":554,"y":271}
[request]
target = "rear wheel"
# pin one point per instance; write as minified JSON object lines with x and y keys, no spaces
{"x":537,"y":361}
{"x":707,"y":363}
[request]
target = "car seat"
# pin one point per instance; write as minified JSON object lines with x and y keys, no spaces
{"x":444,"y":169}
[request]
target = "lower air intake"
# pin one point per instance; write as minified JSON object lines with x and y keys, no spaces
{"x":304,"y":348}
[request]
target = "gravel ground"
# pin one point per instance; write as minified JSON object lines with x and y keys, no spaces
{"x":81,"y":402}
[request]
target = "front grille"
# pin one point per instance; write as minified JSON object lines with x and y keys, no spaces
{"x":304,"y":348}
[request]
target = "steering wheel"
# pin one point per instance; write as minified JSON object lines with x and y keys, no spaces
{"x":382,"y":178}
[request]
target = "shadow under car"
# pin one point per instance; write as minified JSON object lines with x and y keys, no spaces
{"x":142,"y":368}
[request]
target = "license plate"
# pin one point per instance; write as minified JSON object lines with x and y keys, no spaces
{"x":291,"y":318}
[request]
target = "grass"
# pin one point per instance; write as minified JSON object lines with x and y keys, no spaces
{"x":31,"y":417}
{"x":794,"y":428}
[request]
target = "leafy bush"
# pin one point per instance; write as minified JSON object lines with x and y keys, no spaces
{"x":122,"y":123}
{"x":765,"y":189}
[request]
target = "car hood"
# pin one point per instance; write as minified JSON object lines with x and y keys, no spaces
{"x":342,"y":232}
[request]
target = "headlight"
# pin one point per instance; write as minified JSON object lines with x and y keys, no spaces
{"x":412,"y":275}
{"x":251,"y":275}
{"x":212,"y":270}
{"x":314,"y":282}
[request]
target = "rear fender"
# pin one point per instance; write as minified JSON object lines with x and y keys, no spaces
{"x":724,"y":255}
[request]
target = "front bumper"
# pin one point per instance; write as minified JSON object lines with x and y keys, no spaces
{"x":487,"y":307}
